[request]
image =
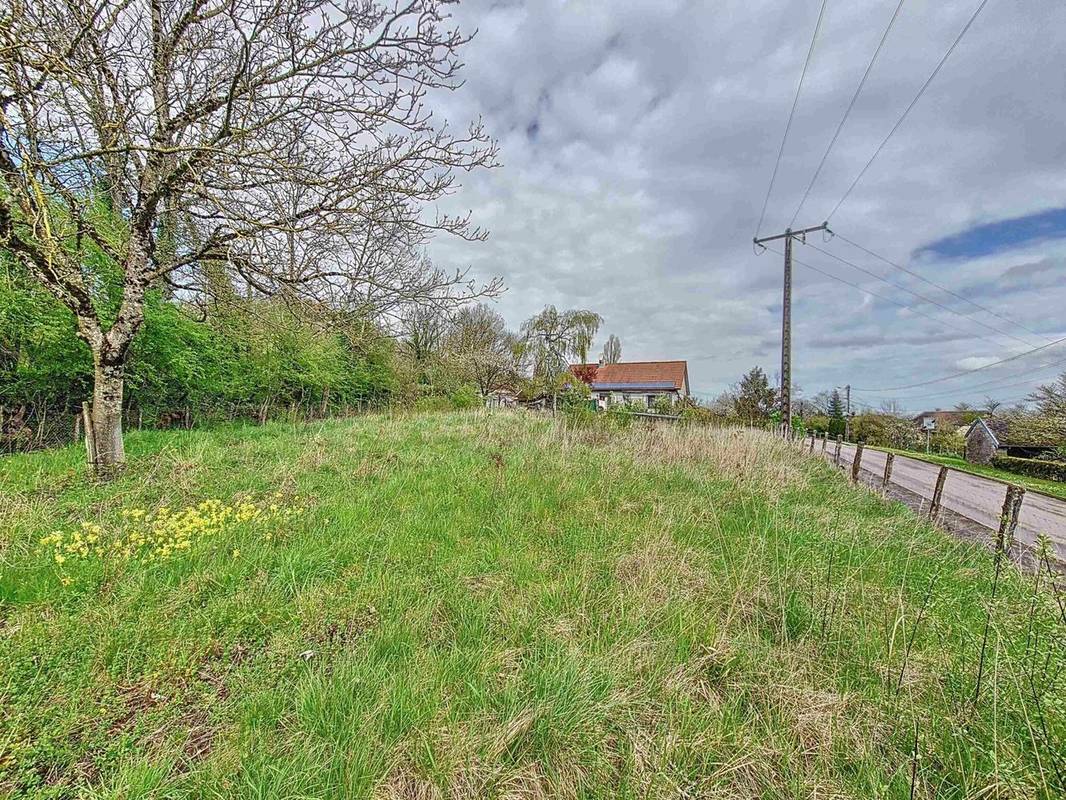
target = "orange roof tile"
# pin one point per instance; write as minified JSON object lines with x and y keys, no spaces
{"x":633,"y":372}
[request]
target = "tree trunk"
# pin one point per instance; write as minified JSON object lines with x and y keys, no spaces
{"x":109,"y":454}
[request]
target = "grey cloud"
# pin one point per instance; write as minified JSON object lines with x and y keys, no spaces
{"x":655,"y":128}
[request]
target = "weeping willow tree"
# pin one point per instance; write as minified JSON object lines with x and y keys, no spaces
{"x":552,"y":338}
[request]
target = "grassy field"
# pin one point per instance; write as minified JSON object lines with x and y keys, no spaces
{"x":1053,"y":488}
{"x":468,"y":605}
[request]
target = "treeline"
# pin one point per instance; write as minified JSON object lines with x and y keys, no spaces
{"x":237,"y":358}
{"x":1041,"y":420}
{"x":227,"y":357}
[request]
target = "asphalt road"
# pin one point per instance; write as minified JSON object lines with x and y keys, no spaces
{"x":973,"y":496}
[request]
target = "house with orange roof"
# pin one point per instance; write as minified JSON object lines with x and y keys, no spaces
{"x":639,"y":382}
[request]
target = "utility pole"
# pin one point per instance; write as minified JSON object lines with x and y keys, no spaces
{"x":847,"y":412}
{"x":786,"y":314}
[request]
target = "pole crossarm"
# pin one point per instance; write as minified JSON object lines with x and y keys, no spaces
{"x":790,"y":233}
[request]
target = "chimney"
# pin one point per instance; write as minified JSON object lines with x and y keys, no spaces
{"x":601,"y":361}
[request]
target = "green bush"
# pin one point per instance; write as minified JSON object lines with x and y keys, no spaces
{"x":579,"y":415}
{"x":575,"y":395}
{"x":618,"y":415}
{"x":884,"y":430}
{"x":1034,"y":468}
{"x":246,"y":358}
{"x":819,"y":423}
{"x":949,"y":442}
{"x":663,"y":405}
{"x":465,"y":397}
{"x":703,"y":416}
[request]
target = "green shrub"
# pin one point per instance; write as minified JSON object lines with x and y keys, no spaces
{"x":663,"y":405}
{"x":575,"y":395}
{"x":949,"y":442}
{"x":1034,"y":468}
{"x":819,"y":423}
{"x":244,"y":358}
{"x":579,"y":415}
{"x":465,"y":397}
{"x":618,"y":415}
{"x":703,"y":416}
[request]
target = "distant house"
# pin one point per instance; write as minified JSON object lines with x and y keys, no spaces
{"x":642,"y":382}
{"x":940,"y":420}
{"x":989,"y":436}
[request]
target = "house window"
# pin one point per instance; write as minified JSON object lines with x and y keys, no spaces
{"x":651,"y":400}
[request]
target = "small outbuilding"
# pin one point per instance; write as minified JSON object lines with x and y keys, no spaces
{"x":981,"y":442}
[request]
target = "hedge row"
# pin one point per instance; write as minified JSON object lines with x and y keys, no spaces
{"x":1034,"y":468}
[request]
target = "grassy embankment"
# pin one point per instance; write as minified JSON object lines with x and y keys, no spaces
{"x":465,"y":605}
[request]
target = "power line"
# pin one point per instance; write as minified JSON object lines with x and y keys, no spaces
{"x":791,"y":114}
{"x":969,"y":371}
{"x":907,"y":111}
{"x":847,"y":112}
{"x":922,"y":297}
{"x":868,"y":402}
{"x":936,"y":285}
{"x":993,"y":385}
{"x":864,"y":290}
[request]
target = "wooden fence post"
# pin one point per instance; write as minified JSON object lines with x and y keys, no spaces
{"x":825,"y":440}
{"x":836,"y":456}
{"x":938,"y":493}
{"x":812,"y":444}
{"x":90,"y":439}
{"x":856,"y":464}
{"x":1004,"y":519}
{"x":1016,"y":507}
{"x":888,"y":470}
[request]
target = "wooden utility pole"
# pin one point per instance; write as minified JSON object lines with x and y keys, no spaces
{"x":847,"y":412}
{"x":786,"y":314}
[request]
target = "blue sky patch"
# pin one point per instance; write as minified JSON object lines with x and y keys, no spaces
{"x":994,"y":237}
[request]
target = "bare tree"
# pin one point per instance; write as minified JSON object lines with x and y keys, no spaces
{"x":893,"y":408}
{"x":1050,"y":398}
{"x":992,"y":405}
{"x":612,"y":351}
{"x":483,"y":349}
{"x":422,"y":330}
{"x":272,"y":146}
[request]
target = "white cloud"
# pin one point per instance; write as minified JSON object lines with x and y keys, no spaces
{"x":976,"y":362}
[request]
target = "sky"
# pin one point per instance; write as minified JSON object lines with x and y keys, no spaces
{"x":637,"y":140}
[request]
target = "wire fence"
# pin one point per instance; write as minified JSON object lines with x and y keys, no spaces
{"x":27,"y":428}
{"x":997,"y":514}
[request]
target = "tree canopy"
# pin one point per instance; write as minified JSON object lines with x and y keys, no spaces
{"x":753,"y":397}
{"x":258,"y":147}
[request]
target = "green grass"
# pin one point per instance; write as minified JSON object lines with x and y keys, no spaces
{"x":494,"y":606}
{"x":1053,"y":488}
